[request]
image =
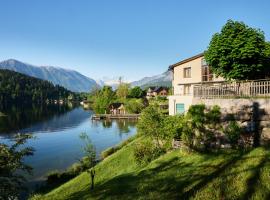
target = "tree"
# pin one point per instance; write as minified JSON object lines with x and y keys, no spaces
{"x":11,"y":162}
{"x":151,"y":123}
{"x":135,"y":92}
{"x":238,"y":52}
{"x":90,"y":153}
{"x":134,"y":106}
{"x":122,"y":90}
{"x":103,"y":99}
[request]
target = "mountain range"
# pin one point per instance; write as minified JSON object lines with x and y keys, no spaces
{"x":77,"y":82}
{"x":164,"y":79}
{"x":70,"y":79}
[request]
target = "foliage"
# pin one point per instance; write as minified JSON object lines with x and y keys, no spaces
{"x":89,"y":150}
{"x":150,"y":123}
{"x":161,"y":98}
{"x":134,"y":106}
{"x":135,"y":92}
{"x":11,"y":163}
{"x":233,"y":131}
{"x":145,"y":151}
{"x":122,"y":90}
{"x":238,"y":52}
{"x":55,"y":178}
{"x":20,"y":88}
{"x":173,"y":126}
{"x":200,"y":126}
{"x":102,"y":99}
{"x":111,"y":150}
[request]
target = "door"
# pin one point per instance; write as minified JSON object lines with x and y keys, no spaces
{"x":180,"y":108}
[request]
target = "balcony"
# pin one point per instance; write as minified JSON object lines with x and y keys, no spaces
{"x":238,"y":89}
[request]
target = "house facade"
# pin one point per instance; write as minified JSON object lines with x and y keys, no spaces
{"x":117,"y":109}
{"x":187,"y":74}
{"x":157,"y":91}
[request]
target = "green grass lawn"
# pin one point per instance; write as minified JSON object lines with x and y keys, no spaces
{"x":175,"y":175}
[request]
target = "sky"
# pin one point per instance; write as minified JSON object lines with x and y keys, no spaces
{"x":112,"y":38}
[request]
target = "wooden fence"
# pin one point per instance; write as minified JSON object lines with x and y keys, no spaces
{"x":243,"y":89}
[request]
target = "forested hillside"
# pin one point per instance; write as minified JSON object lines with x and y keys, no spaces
{"x":19,"y":88}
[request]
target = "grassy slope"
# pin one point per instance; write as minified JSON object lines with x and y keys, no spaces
{"x":176,"y":175}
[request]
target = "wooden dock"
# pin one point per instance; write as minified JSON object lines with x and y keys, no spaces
{"x":117,"y":116}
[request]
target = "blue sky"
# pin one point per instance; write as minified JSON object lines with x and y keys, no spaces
{"x":121,"y":37}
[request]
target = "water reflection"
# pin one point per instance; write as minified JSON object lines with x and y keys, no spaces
{"x":57,"y":129}
{"x":18,"y":118}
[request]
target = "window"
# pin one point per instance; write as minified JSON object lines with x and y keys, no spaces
{"x":204,"y":62}
{"x":187,"y":89}
{"x":180,"y":108}
{"x":207,"y":74}
{"x":187,"y":72}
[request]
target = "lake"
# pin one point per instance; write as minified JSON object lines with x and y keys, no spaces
{"x":56,"y":129}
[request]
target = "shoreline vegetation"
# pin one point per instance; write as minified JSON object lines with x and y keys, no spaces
{"x":176,"y":174}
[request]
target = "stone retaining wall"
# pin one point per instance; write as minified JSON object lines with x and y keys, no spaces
{"x":252,"y":114}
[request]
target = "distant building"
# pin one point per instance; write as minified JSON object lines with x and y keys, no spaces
{"x":117,"y":109}
{"x":157,"y":91}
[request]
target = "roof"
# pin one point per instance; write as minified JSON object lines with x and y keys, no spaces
{"x":115,"y":105}
{"x":158,"y":89}
{"x":185,"y":61}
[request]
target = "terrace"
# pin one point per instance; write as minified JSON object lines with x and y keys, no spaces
{"x":237,"y":89}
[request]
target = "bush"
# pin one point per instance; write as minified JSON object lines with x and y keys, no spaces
{"x":134,"y":106}
{"x":146,"y":151}
{"x":109,"y":151}
{"x":56,"y":178}
{"x":112,"y":150}
{"x":233,"y":131}
{"x":201,"y":124}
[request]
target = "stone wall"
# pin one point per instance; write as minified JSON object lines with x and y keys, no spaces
{"x":252,"y":114}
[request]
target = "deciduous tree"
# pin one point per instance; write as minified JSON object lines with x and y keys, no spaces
{"x":238,"y":52}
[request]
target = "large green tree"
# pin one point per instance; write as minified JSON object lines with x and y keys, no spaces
{"x":102,"y":99}
{"x":135,"y":92}
{"x":239,"y":52}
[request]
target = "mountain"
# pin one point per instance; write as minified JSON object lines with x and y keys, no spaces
{"x":20,"y":88}
{"x":164,"y":79}
{"x":70,"y":79}
{"x":113,"y":82}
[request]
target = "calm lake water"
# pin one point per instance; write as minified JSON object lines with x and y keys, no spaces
{"x":56,"y":129}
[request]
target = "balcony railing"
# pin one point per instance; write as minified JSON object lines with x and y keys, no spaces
{"x":243,"y":89}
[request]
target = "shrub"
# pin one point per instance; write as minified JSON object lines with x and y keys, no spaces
{"x":56,"y":178}
{"x":200,"y":126}
{"x":109,"y":152}
{"x":151,"y":123}
{"x":76,"y":168}
{"x":173,"y":126}
{"x":233,"y":131}
{"x":146,"y":151}
{"x":112,"y":150}
{"x":134,"y":106}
